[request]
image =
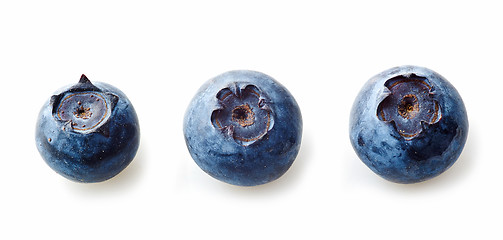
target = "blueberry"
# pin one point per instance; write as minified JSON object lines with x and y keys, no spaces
{"x":408,"y":124}
{"x":88,"y":132}
{"x":243,"y":128}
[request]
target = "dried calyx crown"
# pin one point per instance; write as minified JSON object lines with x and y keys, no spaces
{"x":409,"y":103}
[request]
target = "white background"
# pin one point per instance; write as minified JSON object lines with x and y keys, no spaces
{"x":160,"y":52}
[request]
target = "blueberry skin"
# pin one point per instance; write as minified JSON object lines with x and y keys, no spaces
{"x":92,"y":155}
{"x":231,"y":149}
{"x":405,"y":159}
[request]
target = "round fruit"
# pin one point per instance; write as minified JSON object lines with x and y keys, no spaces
{"x":88,"y":132}
{"x":243,"y":128}
{"x":408,"y":124}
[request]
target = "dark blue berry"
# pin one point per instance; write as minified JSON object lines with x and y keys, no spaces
{"x":88,"y":132}
{"x":243,"y":128}
{"x":408,"y":124}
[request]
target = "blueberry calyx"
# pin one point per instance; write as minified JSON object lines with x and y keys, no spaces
{"x":84,"y":108}
{"x":409,"y":104}
{"x":243,"y":114}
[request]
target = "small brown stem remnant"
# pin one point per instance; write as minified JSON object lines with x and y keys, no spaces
{"x":84,"y":113}
{"x":243,"y":115}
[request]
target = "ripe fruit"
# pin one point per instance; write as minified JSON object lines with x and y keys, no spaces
{"x":243,"y":128}
{"x":408,"y":124}
{"x":88,"y":132}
